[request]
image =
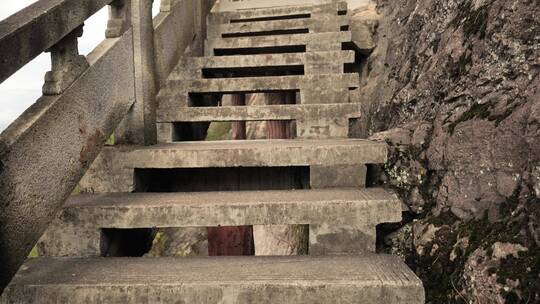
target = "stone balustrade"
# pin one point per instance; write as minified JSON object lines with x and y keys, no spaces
{"x":47,"y":150}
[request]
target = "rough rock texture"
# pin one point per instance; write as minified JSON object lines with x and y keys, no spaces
{"x":454,"y":85}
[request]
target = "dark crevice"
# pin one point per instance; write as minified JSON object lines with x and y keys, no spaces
{"x":260,"y":50}
{"x":221,"y":179}
{"x":266,"y":33}
{"x":271,"y":18}
{"x":134,"y":242}
{"x":261,"y":71}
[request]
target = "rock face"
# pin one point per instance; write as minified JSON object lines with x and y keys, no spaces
{"x":454,"y":86}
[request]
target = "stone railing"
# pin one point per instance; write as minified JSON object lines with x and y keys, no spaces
{"x":47,"y":150}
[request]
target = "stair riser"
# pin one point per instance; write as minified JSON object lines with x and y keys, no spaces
{"x":302,"y":293}
{"x":314,"y":89}
{"x":108,"y":177}
{"x":350,"y":239}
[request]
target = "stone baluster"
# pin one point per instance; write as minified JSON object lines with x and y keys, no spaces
{"x":66,"y":64}
{"x":119,"y":18}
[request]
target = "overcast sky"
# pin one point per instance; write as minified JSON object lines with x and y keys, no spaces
{"x":24,"y":87}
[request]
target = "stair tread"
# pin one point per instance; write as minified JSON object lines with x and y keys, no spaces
{"x":275,"y":25}
{"x":255,"y":84}
{"x":261,"y":112}
{"x":238,"y":153}
{"x":264,"y":144}
{"x":373,"y":278}
{"x":202,"y":209}
{"x":237,"y":61}
{"x":176,"y":271}
{"x":278,"y":11}
{"x":279,"y":40}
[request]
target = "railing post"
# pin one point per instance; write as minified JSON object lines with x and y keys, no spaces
{"x":66,"y":64}
{"x":166,"y":5}
{"x":139,"y":126}
{"x":119,"y":18}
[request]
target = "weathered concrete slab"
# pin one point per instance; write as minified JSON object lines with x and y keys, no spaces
{"x":76,"y":232}
{"x":43,"y":23}
{"x":314,"y":89}
{"x":311,"y":24}
{"x":113,"y":170}
{"x":372,"y":279}
{"x":257,"y":153}
{"x":278,"y":40}
{"x":260,"y":113}
{"x":263,"y":84}
{"x":45,"y":152}
{"x":266,"y":60}
{"x":312,"y":121}
{"x":277,"y":9}
{"x":340,"y":176}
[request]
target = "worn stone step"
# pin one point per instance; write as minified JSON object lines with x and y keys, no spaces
{"x":261,"y":84}
{"x":296,"y":40}
{"x":113,"y":170}
{"x":314,"y":89}
{"x":370,"y":206}
{"x":275,"y":27}
{"x":372,"y":279}
{"x":311,"y":121}
{"x":231,"y":153}
{"x":278,"y":12}
{"x":262,"y":112}
{"x":194,"y":66}
{"x":80,"y":223}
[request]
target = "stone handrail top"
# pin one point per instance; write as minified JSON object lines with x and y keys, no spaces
{"x":44,"y":23}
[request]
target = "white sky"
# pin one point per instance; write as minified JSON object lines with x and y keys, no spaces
{"x":23,"y":88}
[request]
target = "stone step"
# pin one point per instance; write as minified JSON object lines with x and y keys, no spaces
{"x":370,"y":206}
{"x":263,"y":112}
{"x":314,"y":89}
{"x":253,"y":153}
{"x":113,"y":170}
{"x":261,"y":84}
{"x":313,"y":24}
{"x":280,"y":12}
{"x":80,"y":223}
{"x":311,"y":121}
{"x":226,"y":280}
{"x":194,"y":66}
{"x":331,"y":41}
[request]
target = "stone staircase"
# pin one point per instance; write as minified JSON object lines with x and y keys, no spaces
{"x":286,"y":49}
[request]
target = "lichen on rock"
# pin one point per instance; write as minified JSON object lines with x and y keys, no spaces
{"x":453,"y":89}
